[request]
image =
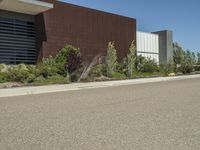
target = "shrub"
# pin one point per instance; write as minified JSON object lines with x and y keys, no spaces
{"x":3,"y":77}
{"x":20,"y":73}
{"x":48,"y":67}
{"x":197,"y":68}
{"x":117,"y":75}
{"x":111,"y":58}
{"x":166,"y":69}
{"x":186,"y":68}
{"x":122,"y":67}
{"x":68,"y":59}
{"x":131,"y":60}
{"x":3,"y":67}
{"x":140,"y":61}
{"x":149,"y":66}
{"x":95,"y":71}
{"x":56,"y":79}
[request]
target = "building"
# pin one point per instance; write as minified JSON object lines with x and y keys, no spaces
{"x":31,"y":30}
{"x":34,"y":29}
{"x":148,"y":45}
{"x":157,"y":45}
{"x":165,"y":46}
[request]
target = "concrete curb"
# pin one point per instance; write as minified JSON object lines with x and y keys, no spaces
{"x":79,"y":86}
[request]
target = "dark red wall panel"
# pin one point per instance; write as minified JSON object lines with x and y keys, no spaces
{"x":88,"y":29}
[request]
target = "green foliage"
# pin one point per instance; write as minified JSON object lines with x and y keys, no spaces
{"x":198,"y":58}
{"x":3,"y":77}
{"x":149,"y":66}
{"x":118,"y":75}
{"x":146,"y":74}
{"x":21,"y":73}
{"x":197,"y":68}
{"x":185,"y":68}
{"x":3,"y":67}
{"x":194,"y":58}
{"x":187,"y":63}
{"x":131,"y":59}
{"x":178,"y":54}
{"x":122,"y":67}
{"x":56,"y":79}
{"x":166,"y":69}
{"x":140,"y":61}
{"x":111,"y":58}
{"x":68,"y":59}
{"x":48,"y":67}
{"x":96,"y":71}
{"x":185,"y":59}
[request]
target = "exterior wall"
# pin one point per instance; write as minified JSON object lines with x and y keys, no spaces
{"x":88,"y":29}
{"x":165,"y":46}
{"x":148,"y":45}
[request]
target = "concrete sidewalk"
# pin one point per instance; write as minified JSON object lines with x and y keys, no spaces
{"x":78,"y":86}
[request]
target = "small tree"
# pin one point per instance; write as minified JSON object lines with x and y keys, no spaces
{"x":68,"y":59}
{"x":178,"y":54}
{"x":111,"y":58}
{"x":194,"y":59}
{"x":131,"y":59}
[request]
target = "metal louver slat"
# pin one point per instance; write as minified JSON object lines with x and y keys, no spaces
{"x":17,"y":41}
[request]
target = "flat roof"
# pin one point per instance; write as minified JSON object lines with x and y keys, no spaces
{"x":31,"y":7}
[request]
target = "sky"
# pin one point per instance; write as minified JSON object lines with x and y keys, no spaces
{"x":180,"y":16}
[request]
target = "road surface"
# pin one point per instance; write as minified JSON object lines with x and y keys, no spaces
{"x":153,"y":116}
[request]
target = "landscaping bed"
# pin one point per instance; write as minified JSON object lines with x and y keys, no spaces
{"x":66,"y":67}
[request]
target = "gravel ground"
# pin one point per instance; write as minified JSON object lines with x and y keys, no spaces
{"x":153,"y":116}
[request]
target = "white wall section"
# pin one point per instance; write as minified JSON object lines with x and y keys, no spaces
{"x":148,"y":45}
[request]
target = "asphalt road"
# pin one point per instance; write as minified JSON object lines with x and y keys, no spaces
{"x":154,"y":116}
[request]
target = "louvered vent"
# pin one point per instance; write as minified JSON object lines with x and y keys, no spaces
{"x":17,"y":41}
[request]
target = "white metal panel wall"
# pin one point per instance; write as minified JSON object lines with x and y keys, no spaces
{"x":148,"y":45}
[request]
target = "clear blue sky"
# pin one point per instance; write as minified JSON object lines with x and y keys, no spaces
{"x":180,"y":16}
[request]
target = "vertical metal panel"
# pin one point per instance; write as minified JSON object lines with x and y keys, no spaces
{"x":148,"y":46}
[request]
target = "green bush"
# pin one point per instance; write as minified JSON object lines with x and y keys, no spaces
{"x":68,"y":60}
{"x":56,"y":79}
{"x":3,"y":67}
{"x":122,"y":67}
{"x":149,"y":66}
{"x":131,"y":60}
{"x":48,"y":67}
{"x":186,"y":68}
{"x":3,"y":77}
{"x":111,"y":58}
{"x":117,"y":75}
{"x":197,"y":68}
{"x":96,"y":71}
{"x":166,"y":69}
{"x":140,"y":61}
{"x":20,"y":73}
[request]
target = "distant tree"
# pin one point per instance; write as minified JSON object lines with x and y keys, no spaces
{"x":198,"y":58}
{"x":194,"y":59}
{"x":188,"y":58}
{"x":131,"y":59}
{"x":111,"y":58}
{"x":178,"y":54}
{"x":183,"y":60}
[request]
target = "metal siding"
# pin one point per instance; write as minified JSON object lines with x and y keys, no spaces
{"x":148,"y":46}
{"x":88,"y":29}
